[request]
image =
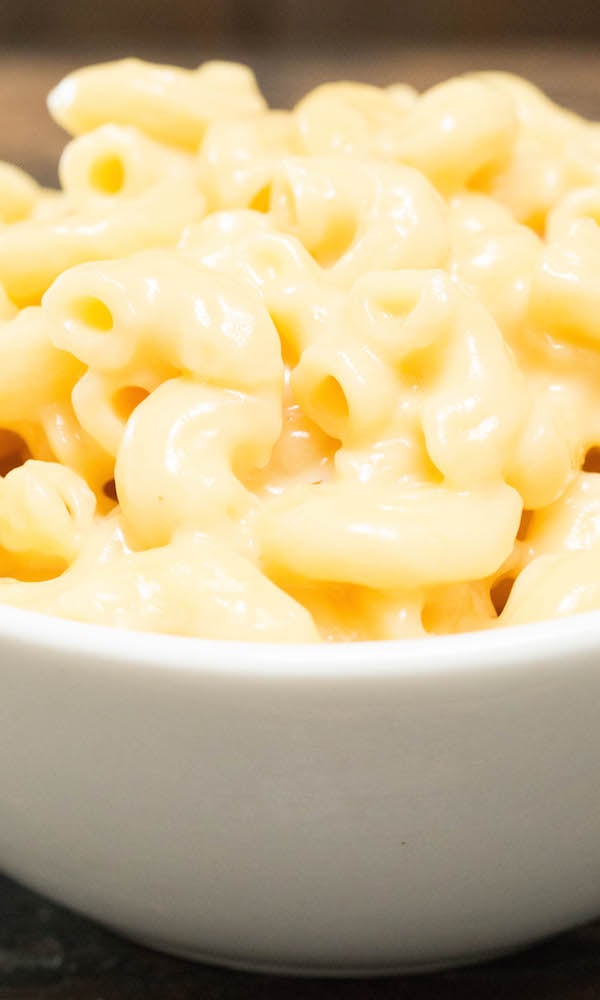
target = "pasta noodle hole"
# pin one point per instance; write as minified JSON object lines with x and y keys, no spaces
{"x":591,"y":462}
{"x":13,"y":451}
{"x":500,"y":593}
{"x":394,"y":307}
{"x":93,"y":313}
{"x":536,"y":221}
{"x":421,"y":366}
{"x":125,"y":400}
{"x":261,"y":202}
{"x":107,"y":175}
{"x":332,"y":248}
{"x":329,"y":399}
{"x":482,"y":179}
{"x":110,"y":491}
{"x":329,"y":245}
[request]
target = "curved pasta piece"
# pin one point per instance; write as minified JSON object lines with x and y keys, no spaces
{"x":117,"y":161}
{"x":239,"y":158}
{"x":554,"y":586}
{"x":568,"y":214}
{"x":33,"y":253}
{"x":348,"y":119}
{"x":538,"y":172}
{"x":183,"y":453}
{"x":104,"y":402}
{"x":397,"y":455}
{"x":475,"y":401}
{"x":536,"y":113}
{"x":389,"y":538}
{"x":71,"y":445}
{"x":571,"y":523}
{"x":473,"y":398}
{"x":218,"y":240}
{"x":159,"y":312}
{"x":302,"y":304}
{"x":532,"y":182}
{"x":345,"y":389}
{"x":194,"y":586}
{"x":470,"y":213}
{"x":33,"y":372}
{"x":456,"y":131}
{"x":548,"y":451}
{"x":402,"y":312}
{"x":169,"y":104}
{"x":360,"y":216}
{"x":18,"y":194}
{"x":46,"y":511}
{"x":565,"y":297}
{"x":498,"y":269}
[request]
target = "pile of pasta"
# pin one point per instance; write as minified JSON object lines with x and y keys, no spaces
{"x":323,"y":374}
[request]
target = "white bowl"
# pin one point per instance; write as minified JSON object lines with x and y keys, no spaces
{"x":340,"y":809}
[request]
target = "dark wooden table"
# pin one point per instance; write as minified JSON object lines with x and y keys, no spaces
{"x":47,"y":953}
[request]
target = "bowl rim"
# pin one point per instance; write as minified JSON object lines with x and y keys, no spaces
{"x":460,"y":654}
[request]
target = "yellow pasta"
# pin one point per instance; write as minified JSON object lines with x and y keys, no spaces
{"x":456,"y":132}
{"x":18,"y":194}
{"x":330,"y":373}
{"x":374,"y":215}
{"x":46,"y":510}
{"x":348,"y":119}
{"x":35,"y":252}
{"x":240,"y":156}
{"x":172,"y":105}
{"x":176,"y":466}
{"x":116,"y":161}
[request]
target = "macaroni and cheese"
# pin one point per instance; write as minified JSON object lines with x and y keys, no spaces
{"x":323,"y":374}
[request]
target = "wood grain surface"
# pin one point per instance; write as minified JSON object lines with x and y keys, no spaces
{"x":47,"y":953}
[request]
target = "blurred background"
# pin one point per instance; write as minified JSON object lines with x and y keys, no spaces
{"x":292,"y":45}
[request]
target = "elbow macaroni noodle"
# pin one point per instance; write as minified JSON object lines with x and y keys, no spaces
{"x":323,"y":374}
